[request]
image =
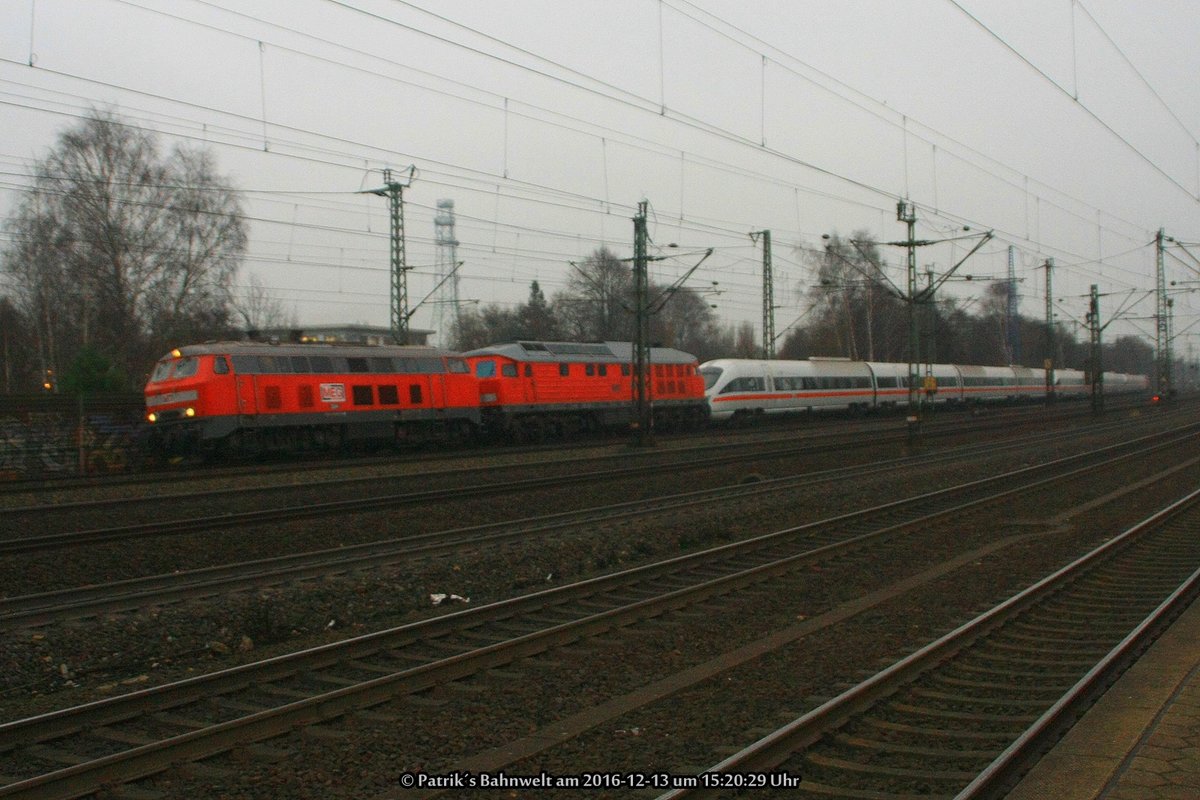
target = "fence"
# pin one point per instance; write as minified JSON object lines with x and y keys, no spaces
{"x":56,"y":435}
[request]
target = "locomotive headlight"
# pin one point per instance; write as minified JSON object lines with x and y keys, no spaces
{"x":189,"y":412}
{"x":152,"y":417}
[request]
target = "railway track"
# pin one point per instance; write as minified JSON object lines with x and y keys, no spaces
{"x":282,"y":467}
{"x":81,"y":602}
{"x":964,"y":716}
{"x":195,"y":508}
{"x":141,"y":733}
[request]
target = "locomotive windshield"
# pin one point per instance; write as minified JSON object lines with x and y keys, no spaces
{"x":711,"y":375}
{"x":174,"y":368}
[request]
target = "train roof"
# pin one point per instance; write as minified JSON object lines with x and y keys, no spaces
{"x":618,"y":352}
{"x":307,"y":349}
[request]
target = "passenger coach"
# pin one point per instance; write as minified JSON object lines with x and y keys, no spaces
{"x":739,"y":387}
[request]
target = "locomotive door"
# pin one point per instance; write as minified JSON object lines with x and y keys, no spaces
{"x":245,"y":395}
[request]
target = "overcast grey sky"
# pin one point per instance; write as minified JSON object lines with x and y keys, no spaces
{"x":1069,"y":128}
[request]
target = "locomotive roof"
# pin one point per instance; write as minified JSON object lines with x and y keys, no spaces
{"x":618,"y":352}
{"x":307,"y":349}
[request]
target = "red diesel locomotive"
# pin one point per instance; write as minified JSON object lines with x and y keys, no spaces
{"x":533,"y":389}
{"x":250,"y":397}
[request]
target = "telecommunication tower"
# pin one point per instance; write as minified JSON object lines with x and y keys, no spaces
{"x":446,"y":316}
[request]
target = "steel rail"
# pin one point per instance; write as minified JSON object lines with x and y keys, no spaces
{"x":40,"y":543}
{"x":147,"y":759}
{"x":775,"y":748}
{"x":42,"y":608}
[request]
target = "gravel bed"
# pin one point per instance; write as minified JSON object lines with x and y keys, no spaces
{"x":693,"y":729}
{"x":72,"y":663}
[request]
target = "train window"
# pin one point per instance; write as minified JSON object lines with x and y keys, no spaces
{"x":245,"y":364}
{"x":589,"y":369}
{"x":379,"y":364}
{"x":266,"y":365}
{"x":414,"y":394}
{"x":485,"y":369}
{"x":362,"y":395}
{"x":529,"y":370}
{"x":320,"y":364}
{"x":272,"y":397}
{"x":886,"y":382}
{"x":357,"y":364}
{"x":602,"y":369}
{"x":161,"y":370}
{"x":300,"y":365}
{"x":457,"y":366}
{"x":186,"y":367}
{"x":389,"y":396}
{"x":220,"y":366}
{"x":564,"y":369}
{"x":745,"y":385}
{"x":430,"y":366}
{"x":508,"y":370}
{"x":304,"y":393}
{"x":625,"y":370}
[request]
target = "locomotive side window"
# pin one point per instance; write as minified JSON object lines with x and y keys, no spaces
{"x":602,"y":369}
{"x":389,"y":396}
{"x":220,"y":366}
{"x":564,"y":369}
{"x":431,"y":366}
{"x":589,"y":369}
{"x":485,"y":369}
{"x":268,"y":365}
{"x":458,"y":366}
{"x":529,"y":370}
{"x":414,"y":394}
{"x":363,"y":396}
{"x":508,"y":370}
{"x":245,"y":364}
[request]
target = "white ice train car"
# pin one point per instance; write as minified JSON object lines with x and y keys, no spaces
{"x":739,"y":387}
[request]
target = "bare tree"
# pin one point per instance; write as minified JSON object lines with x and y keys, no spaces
{"x":116,"y":248}
{"x":256,"y":308}
{"x":598,"y":300}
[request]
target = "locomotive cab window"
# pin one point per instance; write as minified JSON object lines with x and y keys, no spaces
{"x":485,"y":369}
{"x":186,"y":367}
{"x":564,"y":370}
{"x":508,"y":370}
{"x":220,"y":366}
{"x":457,"y":366}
